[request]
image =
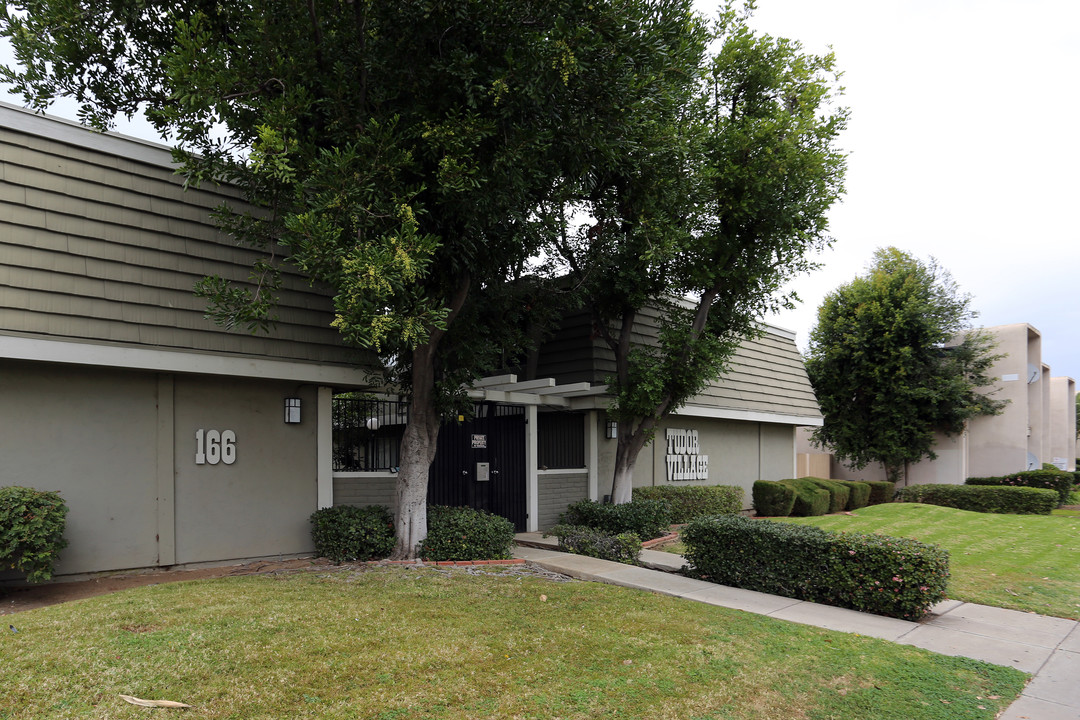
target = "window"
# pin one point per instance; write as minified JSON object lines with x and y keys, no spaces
{"x":561,"y":440}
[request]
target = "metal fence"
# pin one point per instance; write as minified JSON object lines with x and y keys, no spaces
{"x":367,"y":434}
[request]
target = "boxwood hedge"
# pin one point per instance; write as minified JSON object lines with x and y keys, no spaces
{"x":870,"y":573}
{"x":687,"y":502}
{"x":647,"y":519}
{"x":624,"y":547}
{"x":462,"y":533}
{"x":1059,"y":481}
{"x":987,"y":499}
{"x":344,"y":532}
{"x":839,"y":493}
{"x":773,"y":499}
{"x":810,"y":500}
{"x":860,"y":494}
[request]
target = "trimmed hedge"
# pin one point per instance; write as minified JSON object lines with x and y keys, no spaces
{"x":986,"y":499}
{"x":624,"y":547}
{"x":839,"y":493}
{"x":860,"y":494}
{"x":647,"y":519}
{"x":773,"y":499}
{"x":31,"y":531}
{"x":1059,"y":481}
{"x":870,"y":573}
{"x":344,"y":532}
{"x":687,"y":502}
{"x":810,"y":500}
{"x":462,"y":533}
{"x":881,"y":491}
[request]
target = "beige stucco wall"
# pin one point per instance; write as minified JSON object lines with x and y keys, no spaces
{"x":1063,"y":422}
{"x":1000,"y":444}
{"x":119,"y":445}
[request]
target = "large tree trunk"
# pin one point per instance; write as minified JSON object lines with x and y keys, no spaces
{"x":631,"y":441}
{"x":418,"y":446}
{"x":420,"y":441}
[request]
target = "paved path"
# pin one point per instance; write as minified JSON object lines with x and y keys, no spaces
{"x":1046,"y":647}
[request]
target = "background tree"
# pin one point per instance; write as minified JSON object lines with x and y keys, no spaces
{"x":722,"y":206}
{"x":893,"y":360}
{"x":403,"y":153}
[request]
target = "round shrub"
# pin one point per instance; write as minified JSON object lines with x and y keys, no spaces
{"x":687,"y":502}
{"x":810,"y":500}
{"x":344,"y":532}
{"x":773,"y":499}
{"x":647,"y":519}
{"x":624,"y":547}
{"x":31,"y":531}
{"x":860,"y":494}
{"x":462,"y":533}
{"x":839,"y":493}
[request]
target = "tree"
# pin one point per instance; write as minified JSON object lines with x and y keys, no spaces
{"x":705,"y":225}
{"x":893,"y":360}
{"x":404,"y":153}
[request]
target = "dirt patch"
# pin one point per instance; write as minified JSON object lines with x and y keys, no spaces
{"x":30,"y":597}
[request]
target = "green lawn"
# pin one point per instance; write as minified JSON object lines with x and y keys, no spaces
{"x":1024,"y":562}
{"x":396,"y":643}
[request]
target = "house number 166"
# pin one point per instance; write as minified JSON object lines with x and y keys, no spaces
{"x":212,"y":447}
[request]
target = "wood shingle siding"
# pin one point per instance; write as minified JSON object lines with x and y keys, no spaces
{"x":765,"y":375}
{"x":106,"y":245}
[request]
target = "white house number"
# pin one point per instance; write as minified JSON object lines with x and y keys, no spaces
{"x":213,"y":446}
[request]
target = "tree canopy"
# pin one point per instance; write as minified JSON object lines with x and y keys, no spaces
{"x":704,"y":228}
{"x":894,"y":360}
{"x":408,"y":154}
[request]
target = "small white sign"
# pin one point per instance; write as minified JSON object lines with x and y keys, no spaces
{"x":479,"y":442}
{"x":1012,"y":377}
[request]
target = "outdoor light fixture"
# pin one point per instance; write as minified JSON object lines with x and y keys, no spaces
{"x":611,"y":430}
{"x":292,"y":410}
{"x":372,"y":423}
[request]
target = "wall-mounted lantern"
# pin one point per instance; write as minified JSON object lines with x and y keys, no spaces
{"x":611,"y":429}
{"x":292,"y":410}
{"x":372,"y":423}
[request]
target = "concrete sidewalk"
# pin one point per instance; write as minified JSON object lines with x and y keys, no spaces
{"x":1046,"y":647}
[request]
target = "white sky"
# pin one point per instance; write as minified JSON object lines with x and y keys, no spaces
{"x":964,"y":146}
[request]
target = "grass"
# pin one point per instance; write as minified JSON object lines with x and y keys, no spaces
{"x":1023,"y":562}
{"x":395,"y":643}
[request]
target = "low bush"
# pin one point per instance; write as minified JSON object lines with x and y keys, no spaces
{"x":343,"y":532}
{"x":647,"y":519}
{"x":773,"y":499}
{"x":839,"y":493}
{"x":462,"y":533}
{"x":31,"y":531}
{"x":860,"y":494}
{"x":1059,"y":481}
{"x":987,"y":499}
{"x":881,"y":491}
{"x":624,"y":547}
{"x":810,"y":500}
{"x":687,"y":502}
{"x":870,"y":573}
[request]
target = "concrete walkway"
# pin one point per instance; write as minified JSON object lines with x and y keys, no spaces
{"x":1046,"y":647}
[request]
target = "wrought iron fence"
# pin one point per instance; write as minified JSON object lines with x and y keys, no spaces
{"x":367,"y":434}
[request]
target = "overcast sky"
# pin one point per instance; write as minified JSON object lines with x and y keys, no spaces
{"x":964,"y":146}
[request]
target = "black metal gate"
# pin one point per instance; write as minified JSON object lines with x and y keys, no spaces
{"x":480,"y":463}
